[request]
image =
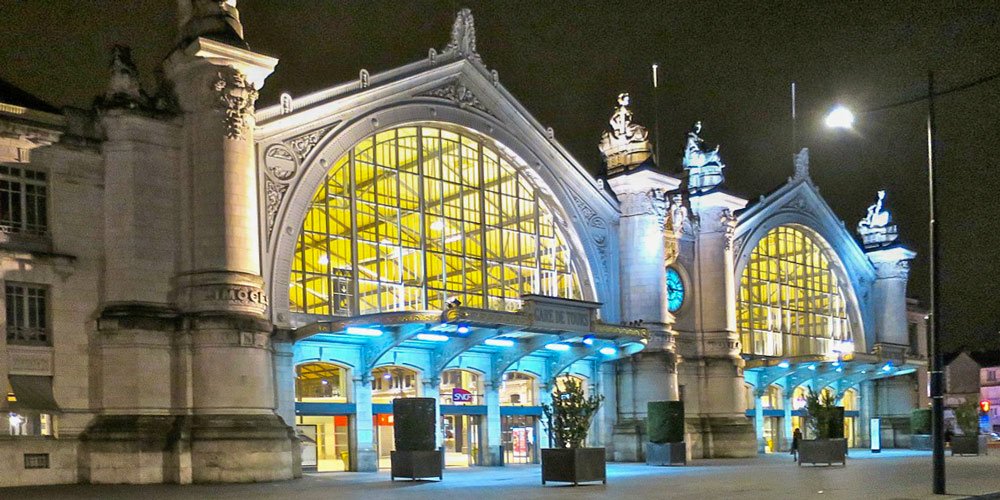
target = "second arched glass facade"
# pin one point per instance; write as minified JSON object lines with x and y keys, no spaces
{"x":790,"y":300}
{"x":413,"y":217}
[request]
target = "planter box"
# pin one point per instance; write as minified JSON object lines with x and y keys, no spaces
{"x":573,"y":465}
{"x":417,"y":464}
{"x":922,"y":442}
{"x":666,"y":453}
{"x":823,"y":451}
{"x":968,"y":445}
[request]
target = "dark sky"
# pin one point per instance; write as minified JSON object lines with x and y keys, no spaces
{"x":728,"y":64}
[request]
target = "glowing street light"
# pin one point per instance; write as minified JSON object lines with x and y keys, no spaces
{"x":840,"y":117}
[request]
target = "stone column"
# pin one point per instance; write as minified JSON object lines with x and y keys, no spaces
{"x":492,"y":447}
{"x":787,"y":429}
{"x":432,"y":389}
{"x":544,"y":398}
{"x":758,"y":419}
{"x":642,"y":255}
{"x":713,"y":369}
{"x":892,"y":269}
{"x":365,"y":454}
{"x":866,"y":411}
{"x":235,"y":434}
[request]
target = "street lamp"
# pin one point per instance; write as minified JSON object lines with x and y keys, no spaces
{"x":841,"y":117}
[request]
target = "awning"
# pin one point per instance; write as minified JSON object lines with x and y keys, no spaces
{"x":33,"y":392}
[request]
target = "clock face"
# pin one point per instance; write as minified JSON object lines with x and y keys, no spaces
{"x":675,"y":290}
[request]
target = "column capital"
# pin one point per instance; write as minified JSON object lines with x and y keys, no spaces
{"x":891,"y":262}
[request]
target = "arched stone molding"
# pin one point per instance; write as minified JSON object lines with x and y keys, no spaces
{"x":803,"y":209}
{"x":591,"y":251}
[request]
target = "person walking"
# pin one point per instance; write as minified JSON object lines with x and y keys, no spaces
{"x":796,"y":437}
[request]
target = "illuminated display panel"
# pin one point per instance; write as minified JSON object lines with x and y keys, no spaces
{"x":790,"y":302}
{"x":414,"y":217}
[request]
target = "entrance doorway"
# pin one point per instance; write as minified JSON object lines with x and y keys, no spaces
{"x":772,"y":434}
{"x":461,"y":439}
{"x":324,"y":442}
{"x":518,"y":435}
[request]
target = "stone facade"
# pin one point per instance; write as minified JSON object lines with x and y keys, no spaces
{"x":171,"y":352}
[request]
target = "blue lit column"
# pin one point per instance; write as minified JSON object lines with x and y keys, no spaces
{"x":365,"y":454}
{"x":492,"y":454}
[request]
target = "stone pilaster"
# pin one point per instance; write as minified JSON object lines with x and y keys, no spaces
{"x":365,"y":456}
{"x":651,"y":374}
{"x":892,"y":269}
{"x":712,"y":373}
{"x":493,"y":452}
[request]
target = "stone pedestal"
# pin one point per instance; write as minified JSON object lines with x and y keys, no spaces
{"x":892,"y":268}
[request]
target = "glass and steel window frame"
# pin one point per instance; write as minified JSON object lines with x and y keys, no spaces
{"x":23,"y":200}
{"x":790,"y":300}
{"x":27,"y":314}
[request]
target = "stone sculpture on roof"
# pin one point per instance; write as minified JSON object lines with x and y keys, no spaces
{"x":626,"y":145}
{"x":875,"y":229}
{"x":703,"y":165}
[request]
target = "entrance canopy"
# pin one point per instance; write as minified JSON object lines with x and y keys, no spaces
{"x":562,"y":331}
{"x":818,"y":372}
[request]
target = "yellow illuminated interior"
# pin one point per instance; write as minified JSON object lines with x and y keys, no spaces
{"x":790,"y":302}
{"x":414,"y":217}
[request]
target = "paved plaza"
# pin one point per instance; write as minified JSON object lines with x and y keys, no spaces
{"x":891,"y":475}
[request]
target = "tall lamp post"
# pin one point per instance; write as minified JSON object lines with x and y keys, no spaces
{"x":841,"y":117}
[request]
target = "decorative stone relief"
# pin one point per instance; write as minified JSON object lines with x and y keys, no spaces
{"x":599,"y":232}
{"x":280,"y":162}
{"x":728,"y":222}
{"x":801,"y":205}
{"x":460,"y":95}
{"x":273,"y":194}
{"x":648,"y":202}
{"x":305,"y":143}
{"x":236,"y":97}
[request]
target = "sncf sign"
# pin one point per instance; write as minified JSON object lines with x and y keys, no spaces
{"x":459,"y":395}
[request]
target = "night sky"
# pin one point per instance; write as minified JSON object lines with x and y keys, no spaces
{"x":726,"y":64}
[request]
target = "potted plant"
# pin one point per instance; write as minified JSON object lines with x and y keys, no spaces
{"x":826,"y":422}
{"x":568,"y":422}
{"x":665,"y":428}
{"x":415,"y":456}
{"x":969,"y":442}
{"x":920,"y":429}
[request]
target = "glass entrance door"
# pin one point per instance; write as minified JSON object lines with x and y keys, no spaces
{"x":461,"y":439}
{"x":385,"y":440}
{"x":519,"y":439}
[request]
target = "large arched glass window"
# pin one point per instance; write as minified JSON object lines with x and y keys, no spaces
{"x":413,"y":217}
{"x":790,"y":300}
{"x":320,"y":382}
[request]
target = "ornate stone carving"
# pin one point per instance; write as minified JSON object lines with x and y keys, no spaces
{"x":280,"y":162}
{"x":273,"y":194}
{"x":626,"y":144}
{"x":875,"y":229}
{"x":727,"y":220}
{"x":677,"y":216}
{"x":124,"y":89}
{"x":286,"y":103}
{"x":364,"y":78}
{"x":648,"y":202}
{"x":236,"y":97}
{"x":802,"y":164}
{"x":460,"y":95}
{"x":463,"y":36}
{"x":305,"y":143}
{"x":704,"y":166}
{"x":599,"y":232}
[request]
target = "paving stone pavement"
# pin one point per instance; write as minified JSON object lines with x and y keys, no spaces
{"x":891,"y":475}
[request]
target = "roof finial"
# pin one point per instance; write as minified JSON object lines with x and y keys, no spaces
{"x":463,"y":35}
{"x":124,"y":90}
{"x":802,"y":164}
{"x":215,"y":19}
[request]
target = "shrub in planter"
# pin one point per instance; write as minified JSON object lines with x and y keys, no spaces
{"x":665,"y":428}
{"x":967,"y":417}
{"x":920,"y":429}
{"x":415,"y":455}
{"x":568,"y":422}
{"x":826,"y":421}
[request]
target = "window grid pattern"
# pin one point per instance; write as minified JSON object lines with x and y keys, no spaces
{"x":27,"y":309}
{"x":414,"y":217}
{"x":23,"y":195}
{"x":790,"y":301}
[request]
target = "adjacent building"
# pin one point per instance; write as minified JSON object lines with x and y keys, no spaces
{"x":200,"y":289}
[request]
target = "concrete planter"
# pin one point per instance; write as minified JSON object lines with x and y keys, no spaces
{"x":573,"y":465}
{"x":666,"y":453}
{"x":421,"y":464}
{"x":823,"y":451}
{"x":922,"y":442}
{"x":968,"y":445}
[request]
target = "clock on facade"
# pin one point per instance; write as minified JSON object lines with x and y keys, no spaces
{"x":675,"y":290}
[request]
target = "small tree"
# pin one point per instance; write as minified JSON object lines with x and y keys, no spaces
{"x":821,"y":409}
{"x":568,"y":417}
{"x":967,"y":416}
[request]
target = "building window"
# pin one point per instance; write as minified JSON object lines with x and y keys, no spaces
{"x":991,"y":375}
{"x":914,"y":339}
{"x":27,"y":311}
{"x":23,"y":196}
{"x":414,"y":217}
{"x":320,"y":383}
{"x":790,"y":300}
